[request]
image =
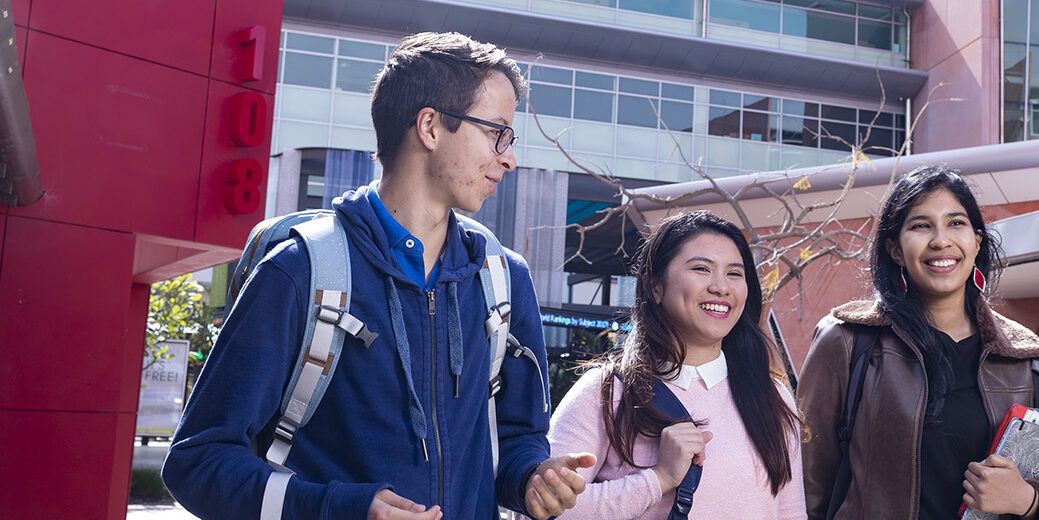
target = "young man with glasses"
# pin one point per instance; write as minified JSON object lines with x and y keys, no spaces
{"x":402,"y":431}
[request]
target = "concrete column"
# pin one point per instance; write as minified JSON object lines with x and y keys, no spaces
{"x":528,"y":215}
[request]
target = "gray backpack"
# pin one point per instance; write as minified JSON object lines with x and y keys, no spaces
{"x":329,"y":321}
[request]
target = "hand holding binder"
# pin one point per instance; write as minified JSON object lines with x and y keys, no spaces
{"x":1015,"y":450}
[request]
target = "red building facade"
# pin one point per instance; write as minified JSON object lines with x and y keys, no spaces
{"x":152,"y":123}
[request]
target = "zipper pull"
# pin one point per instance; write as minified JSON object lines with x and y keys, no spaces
{"x":458,"y":385}
{"x":425,"y":450}
{"x":432,"y":297}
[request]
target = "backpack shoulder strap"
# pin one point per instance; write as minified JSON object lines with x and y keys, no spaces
{"x":863,"y":342}
{"x":262,"y":238}
{"x":1035,"y":382}
{"x":497,"y":295}
{"x":665,"y":402}
{"x":328,"y":321}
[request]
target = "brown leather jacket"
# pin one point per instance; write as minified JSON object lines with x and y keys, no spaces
{"x":885,"y":439}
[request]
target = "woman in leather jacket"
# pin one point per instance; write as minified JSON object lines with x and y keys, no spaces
{"x":943,"y":369}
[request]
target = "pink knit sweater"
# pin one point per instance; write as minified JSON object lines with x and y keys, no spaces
{"x":734,"y":483}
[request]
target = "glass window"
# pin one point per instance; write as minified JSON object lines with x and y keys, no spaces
{"x":675,"y":8}
{"x":901,"y":34}
{"x":880,"y":141}
{"x":837,"y":132}
{"x":839,"y":113}
{"x":774,"y":130}
{"x":548,"y":100}
{"x":755,"y":126}
{"x":356,"y":75}
{"x":600,"y":81}
{"x":552,"y":75}
{"x":593,"y":106}
{"x":1015,"y":21}
{"x":877,"y":12}
{"x":836,"y":6}
{"x":372,"y":51}
{"x":745,"y":13}
{"x":800,"y":108}
{"x":884,"y":119}
{"x":639,"y":86}
{"x":819,"y":26}
{"x":724,"y":122}
{"x":724,"y":97}
{"x":683,"y":92}
{"x":1014,"y":61}
{"x":604,"y":3}
{"x":800,"y":131}
{"x":900,"y":136}
{"x":876,"y":35}
{"x":763,"y":103}
{"x":1033,"y":26}
{"x":637,"y":111}
{"x":308,"y":70}
{"x":306,"y":42}
{"x":677,"y":116}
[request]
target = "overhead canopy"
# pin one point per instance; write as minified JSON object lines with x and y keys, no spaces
{"x":1020,"y":239}
{"x":999,"y":174}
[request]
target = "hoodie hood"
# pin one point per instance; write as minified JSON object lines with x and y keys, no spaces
{"x":464,"y":251}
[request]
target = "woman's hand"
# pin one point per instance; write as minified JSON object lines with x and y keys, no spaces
{"x":681,"y":444}
{"x":995,"y":485}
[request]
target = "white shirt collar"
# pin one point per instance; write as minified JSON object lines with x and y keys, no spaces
{"x":711,"y":373}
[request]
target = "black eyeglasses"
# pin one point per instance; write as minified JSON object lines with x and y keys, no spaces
{"x":506,"y":135}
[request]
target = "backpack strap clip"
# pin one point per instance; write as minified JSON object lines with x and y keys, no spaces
{"x":683,"y":499}
{"x":339,"y":317}
{"x":495,"y":385}
{"x":499,"y":315}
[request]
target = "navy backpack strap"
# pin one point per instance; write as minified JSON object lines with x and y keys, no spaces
{"x":865,"y":338}
{"x":665,"y":402}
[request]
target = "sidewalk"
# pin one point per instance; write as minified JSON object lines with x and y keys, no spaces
{"x":158,"y":512}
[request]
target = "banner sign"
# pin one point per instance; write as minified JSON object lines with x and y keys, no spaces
{"x":162,"y":390}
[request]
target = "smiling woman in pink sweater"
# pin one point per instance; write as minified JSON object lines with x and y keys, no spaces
{"x":697,"y":306}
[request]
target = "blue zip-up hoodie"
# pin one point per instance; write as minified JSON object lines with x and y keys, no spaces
{"x":368,"y":431}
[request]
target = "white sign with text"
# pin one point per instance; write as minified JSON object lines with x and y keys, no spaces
{"x":162,"y":389}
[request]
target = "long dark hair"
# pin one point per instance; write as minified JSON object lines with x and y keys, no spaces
{"x":905,"y":307}
{"x":655,"y":345}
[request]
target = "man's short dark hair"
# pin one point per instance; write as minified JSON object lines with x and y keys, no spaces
{"x":438,"y":70}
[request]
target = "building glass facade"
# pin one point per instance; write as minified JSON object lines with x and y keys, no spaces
{"x":1020,"y":71}
{"x":632,"y":126}
{"x":871,"y":33}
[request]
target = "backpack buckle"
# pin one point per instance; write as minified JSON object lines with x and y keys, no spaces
{"x":334,"y":315}
{"x":683,"y":500}
{"x":504,"y":309}
{"x":498,"y":316}
{"x":495,"y":385}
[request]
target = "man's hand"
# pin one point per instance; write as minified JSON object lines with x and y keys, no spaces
{"x":555,"y":485}
{"x":388,"y":505}
{"x":995,"y":485}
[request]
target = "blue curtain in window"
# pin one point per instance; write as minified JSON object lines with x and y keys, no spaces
{"x":345,"y":170}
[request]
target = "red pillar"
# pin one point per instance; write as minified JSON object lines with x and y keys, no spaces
{"x":141,"y":112}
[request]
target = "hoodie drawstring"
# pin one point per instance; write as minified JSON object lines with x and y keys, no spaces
{"x":454,"y":332}
{"x":418,"y":418}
